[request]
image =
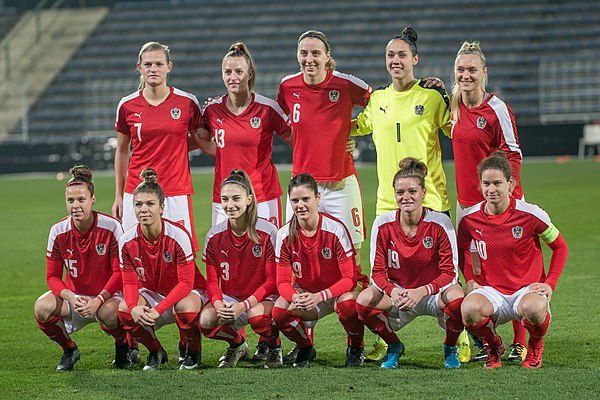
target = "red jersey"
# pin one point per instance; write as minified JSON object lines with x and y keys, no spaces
{"x":321,"y":116}
{"x":245,"y":142}
{"x":429,"y":259}
{"x":323,"y":261}
{"x":91,"y":260}
{"x":508,"y":244}
{"x":479,"y":132}
{"x":159,"y":138}
{"x":237,"y":266}
{"x":166,"y":267}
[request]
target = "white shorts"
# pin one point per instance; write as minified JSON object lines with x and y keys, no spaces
{"x":427,"y":306}
{"x":505,"y":305}
{"x":269,"y":210}
{"x":168,"y":316}
{"x":177,"y":209}
{"x":342,"y":200}
{"x":74,"y":321}
{"x":242,"y":320}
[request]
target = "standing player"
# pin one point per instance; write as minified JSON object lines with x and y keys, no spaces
{"x":85,"y":244}
{"x":316,"y":274}
{"x":414,"y":260}
{"x":240,"y":268}
{"x":156,"y":122}
{"x":512,"y":283}
{"x":482,"y":124}
{"x":319,"y":100}
{"x":158,"y":259}
{"x":242,"y":124}
{"x":405,"y":118}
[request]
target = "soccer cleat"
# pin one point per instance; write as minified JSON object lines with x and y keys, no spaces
{"x":274,"y":358}
{"x":482,"y":355}
{"x":291,"y":356}
{"x":494,"y":354}
{"x":305,"y":356}
{"x":155,"y":359}
{"x":464,"y":347}
{"x":122,"y":357}
{"x":534,"y":356}
{"x":262,"y":351}
{"x":134,"y":355}
{"x":394,"y":352}
{"x":182,"y":354}
{"x":379,"y":350}
{"x":68,"y":359}
{"x":451,"y":358}
{"x":518,"y":352}
{"x":355,"y":356}
{"x":191,"y":361}
{"x":233,"y":355}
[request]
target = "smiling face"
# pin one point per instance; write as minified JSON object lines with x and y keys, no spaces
{"x":79,"y":203}
{"x":409,"y":194}
{"x":235,"y":200}
{"x":236,"y":74}
{"x":399,"y":60}
{"x":304,"y":202}
{"x":313,"y":57}
{"x":470,"y":72}
{"x":496,"y":188}
{"x":154,"y":67}
{"x":148,"y":209}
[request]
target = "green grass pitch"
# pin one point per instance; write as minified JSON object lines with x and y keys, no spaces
{"x":569,"y":192}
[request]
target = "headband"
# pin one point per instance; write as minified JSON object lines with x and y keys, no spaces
{"x":227,"y":182}
{"x":316,"y":36}
{"x":73,"y":183}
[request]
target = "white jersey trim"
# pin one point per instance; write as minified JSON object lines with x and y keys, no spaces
{"x":339,"y":230}
{"x":529,"y":208}
{"x":190,"y":96}
{"x":357,"y":81}
{"x":501,"y":111}
{"x":260,"y":99}
{"x":444,"y":221}
{"x":125,"y":100}
{"x":57,"y":229}
{"x":285,"y":78}
{"x":382,"y":219}
{"x":181,"y":236}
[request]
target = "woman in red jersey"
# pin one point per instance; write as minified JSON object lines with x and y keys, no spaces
{"x":86,"y":244}
{"x":240,"y":268}
{"x":161,"y":283}
{"x":481,"y":124}
{"x":415,"y":268}
{"x":241,"y":125}
{"x":511,"y":283}
{"x":156,"y":122}
{"x":316,"y":274}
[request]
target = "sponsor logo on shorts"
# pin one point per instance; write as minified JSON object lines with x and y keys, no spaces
{"x":326,"y":251}
{"x":334,"y":96}
{"x":255,"y":122}
{"x":428,"y":242}
{"x":517,"y":232}
{"x":257,"y":251}
{"x":175,"y":113}
{"x":101,"y":249}
{"x":481,"y":122}
{"x":168,"y":257}
{"x":419,"y":109}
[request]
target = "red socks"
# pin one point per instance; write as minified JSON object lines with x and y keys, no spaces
{"x":454,"y":323}
{"x":378,"y":322}
{"x":144,"y":335}
{"x":55,"y":329}
{"x":354,"y":327}
{"x":262,"y":324}
{"x":187,"y":322}
{"x":118,"y":333}
{"x":226,"y":333}
{"x":291,"y":326}
{"x":486,"y":331}
{"x":520,"y":332}
{"x":536,"y":332}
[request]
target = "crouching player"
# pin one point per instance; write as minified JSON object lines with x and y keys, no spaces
{"x":414,"y":260}
{"x":157,"y":258}
{"x":240,"y":267}
{"x":86,"y":244}
{"x":316,"y":251}
{"x":512,"y":283}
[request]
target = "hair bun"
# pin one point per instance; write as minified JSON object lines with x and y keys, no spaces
{"x":149,"y":175}
{"x":81,"y":172}
{"x":410,"y":33}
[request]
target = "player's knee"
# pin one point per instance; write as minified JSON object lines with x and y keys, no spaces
{"x":366,"y":297}
{"x":471,"y":311}
{"x":123,"y":306}
{"x":108,"y":317}
{"x":208,"y":319}
{"x":44,"y":308}
{"x":534,"y":310}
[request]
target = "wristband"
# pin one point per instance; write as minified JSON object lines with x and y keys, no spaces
{"x":323,"y":294}
{"x":101,"y":298}
{"x":247,"y":304}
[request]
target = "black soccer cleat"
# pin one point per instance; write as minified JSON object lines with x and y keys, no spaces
{"x":122,"y":357}
{"x":355,"y":356}
{"x":155,"y":359}
{"x":191,"y":361}
{"x":305,"y":356}
{"x":68,"y":359}
{"x":262,"y":350}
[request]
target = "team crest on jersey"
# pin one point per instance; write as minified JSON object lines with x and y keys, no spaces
{"x":517,"y":232}
{"x":168,"y":257}
{"x":255,"y":122}
{"x":428,"y":242}
{"x":175,"y":113}
{"x":257,"y":251}
{"x":101,"y":249}
{"x":481,"y":122}
{"x":334,"y":96}
{"x":326,"y":253}
{"x":419,"y":109}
